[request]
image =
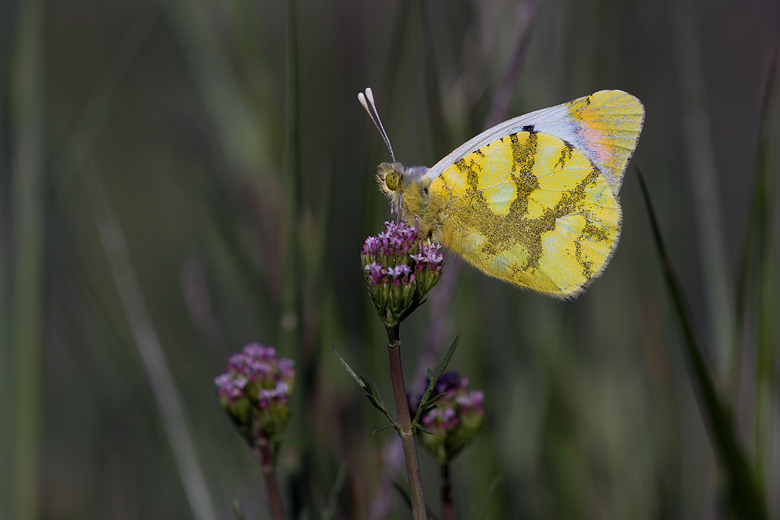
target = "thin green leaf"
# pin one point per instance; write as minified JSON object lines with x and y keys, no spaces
{"x":375,"y":402}
{"x":427,"y":409}
{"x":386,"y":426}
{"x":373,"y":393}
{"x":418,"y":426}
{"x":432,"y":400}
{"x":380,"y":405}
{"x":433,"y":378}
{"x":378,"y":393}
{"x":443,"y":366}
{"x":366,"y":384}
{"x":360,"y":380}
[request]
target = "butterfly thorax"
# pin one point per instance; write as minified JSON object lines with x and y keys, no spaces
{"x":408,"y":191}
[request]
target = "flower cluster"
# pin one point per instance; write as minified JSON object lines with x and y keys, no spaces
{"x":455,"y":420}
{"x":399,"y":270}
{"x":255,"y":391}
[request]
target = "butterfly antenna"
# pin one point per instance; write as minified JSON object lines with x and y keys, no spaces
{"x":366,"y":100}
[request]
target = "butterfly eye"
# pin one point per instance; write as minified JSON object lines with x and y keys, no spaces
{"x":392,"y":180}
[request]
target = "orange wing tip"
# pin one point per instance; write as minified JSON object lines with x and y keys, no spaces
{"x":608,"y":126}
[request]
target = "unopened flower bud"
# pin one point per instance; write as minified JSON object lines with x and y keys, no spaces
{"x":399,"y":270}
{"x":458,"y":416}
{"x":255,"y":391}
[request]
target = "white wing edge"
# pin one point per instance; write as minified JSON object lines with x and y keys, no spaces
{"x":554,"y":121}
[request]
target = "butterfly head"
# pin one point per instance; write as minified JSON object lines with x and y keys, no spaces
{"x":395,"y":178}
{"x":389,"y":176}
{"x":407,"y":188}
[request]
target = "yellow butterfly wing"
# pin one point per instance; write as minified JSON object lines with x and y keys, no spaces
{"x":607,"y":126}
{"x":537,"y":206}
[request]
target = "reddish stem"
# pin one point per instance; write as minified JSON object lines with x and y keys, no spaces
{"x":447,"y":505}
{"x":405,"y":423}
{"x":265,"y":456}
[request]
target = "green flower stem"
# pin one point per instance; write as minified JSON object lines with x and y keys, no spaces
{"x":265,"y":457}
{"x":447,"y":506}
{"x":405,"y":421}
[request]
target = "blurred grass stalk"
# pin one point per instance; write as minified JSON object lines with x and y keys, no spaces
{"x":244,"y":135}
{"x":704,"y":189}
{"x":745,"y":494}
{"x":241,"y":138}
{"x":158,"y":373}
{"x":759,"y":254}
{"x":291,"y":305}
{"x":23,"y":261}
{"x":291,"y":315}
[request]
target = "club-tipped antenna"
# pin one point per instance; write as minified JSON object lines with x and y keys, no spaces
{"x":366,"y":100}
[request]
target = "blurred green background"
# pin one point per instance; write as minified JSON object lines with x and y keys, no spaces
{"x":180,"y":178}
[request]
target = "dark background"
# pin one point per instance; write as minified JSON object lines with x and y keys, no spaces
{"x":155,"y":219}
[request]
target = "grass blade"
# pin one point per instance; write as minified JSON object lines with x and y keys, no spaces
{"x":704,"y":186}
{"x":745,"y":493}
{"x":243,"y":139}
{"x":291,"y":308}
{"x":24,"y":261}
{"x":763,"y":201}
{"x":150,"y":349}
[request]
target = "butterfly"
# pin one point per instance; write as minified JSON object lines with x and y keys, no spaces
{"x":532,"y":201}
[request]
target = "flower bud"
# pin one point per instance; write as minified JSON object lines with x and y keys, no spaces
{"x":399,"y":270}
{"x":458,"y":416}
{"x":255,"y":391}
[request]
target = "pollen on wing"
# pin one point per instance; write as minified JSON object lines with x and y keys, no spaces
{"x":515,"y":219}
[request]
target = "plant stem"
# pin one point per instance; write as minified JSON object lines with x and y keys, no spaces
{"x":405,"y":422}
{"x":447,"y":506}
{"x":265,"y":457}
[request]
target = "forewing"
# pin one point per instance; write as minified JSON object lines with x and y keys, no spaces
{"x":530,"y":209}
{"x":604,"y":126}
